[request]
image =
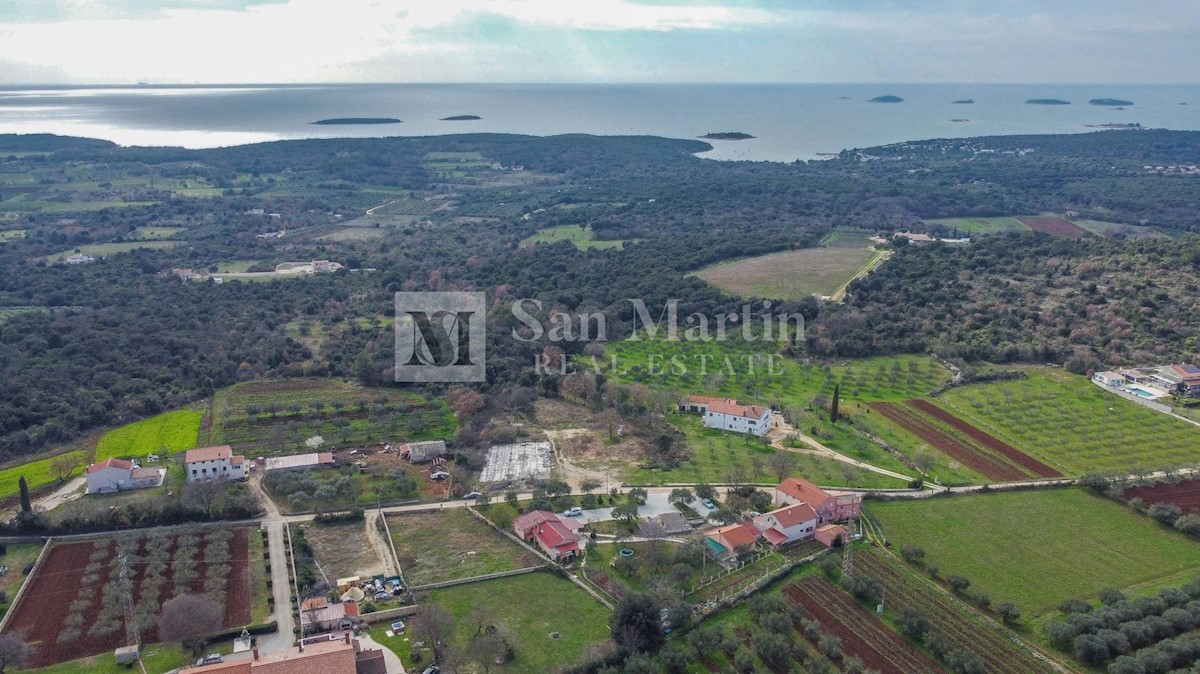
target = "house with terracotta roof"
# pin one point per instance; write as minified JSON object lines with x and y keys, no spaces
{"x":788,"y":524}
{"x":726,"y":542}
{"x":1182,"y":378}
{"x":730,"y":415}
{"x":829,"y":506}
{"x":339,"y":656}
{"x":556,"y":536}
{"x":317,"y":614}
{"x":112,"y":475}
{"x":699,"y":404}
{"x":214,"y":463}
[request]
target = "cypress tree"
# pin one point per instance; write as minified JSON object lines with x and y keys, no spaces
{"x":24,"y":487}
{"x":833,"y":407}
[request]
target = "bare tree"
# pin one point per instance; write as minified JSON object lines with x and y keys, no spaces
{"x":434,"y":625}
{"x":189,"y":619}
{"x":756,"y":465}
{"x":782,"y":463}
{"x":64,"y":465}
{"x":204,"y":494}
{"x":14,"y":651}
{"x":924,"y":461}
{"x":849,"y":472}
{"x":490,"y":648}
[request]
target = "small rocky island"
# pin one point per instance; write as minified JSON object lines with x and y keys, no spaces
{"x":965,"y":101}
{"x":727,"y":135}
{"x":886,"y":99}
{"x":461,"y":118}
{"x":358,"y":120}
{"x":1047,"y":101}
{"x":1109,"y":102}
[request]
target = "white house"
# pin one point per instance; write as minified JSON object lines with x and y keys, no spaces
{"x":728,"y":415}
{"x":210,"y":463}
{"x":787,"y":524}
{"x":113,"y":475}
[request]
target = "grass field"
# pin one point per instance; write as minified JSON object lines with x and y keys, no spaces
{"x":164,"y":434}
{"x":99,"y":250}
{"x":791,"y":274}
{"x":982,"y":225}
{"x":433,"y":547}
{"x":844,"y":237}
{"x":342,"y":550}
{"x":576,"y":234}
{"x":157,"y":232}
{"x":1070,"y":424}
{"x":7,"y":234}
{"x":531,"y":607}
{"x":1037,"y":548}
{"x":18,"y":556}
{"x":156,"y":657}
{"x":37,"y":473}
{"x":1133,"y":231}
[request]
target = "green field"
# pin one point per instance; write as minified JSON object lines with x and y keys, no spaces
{"x":531,"y":607}
{"x":164,"y":434}
{"x":1132,"y":231}
{"x":576,"y":234}
{"x":792,"y":274}
{"x":99,"y":250}
{"x":1073,"y":425}
{"x":156,"y":657}
{"x":845,"y":237}
{"x":7,"y":234}
{"x":433,"y":547}
{"x":982,"y":225}
{"x":18,"y":556}
{"x":236,"y":266}
{"x":1037,"y":548}
{"x":37,"y":474}
{"x":157,"y":232}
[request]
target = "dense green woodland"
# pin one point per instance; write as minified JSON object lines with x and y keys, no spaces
{"x":121,"y":338}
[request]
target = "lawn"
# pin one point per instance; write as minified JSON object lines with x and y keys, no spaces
{"x":156,"y":657}
{"x":1069,"y":423}
{"x":531,"y":607}
{"x":7,"y":234}
{"x":452,"y":544}
{"x":790,"y":275}
{"x":1037,"y":548}
{"x":982,"y":225}
{"x":16,"y":558}
{"x":576,"y":234}
{"x":164,"y":434}
{"x":37,"y":474}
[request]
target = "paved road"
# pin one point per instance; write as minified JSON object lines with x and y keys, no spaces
{"x":273,"y":522}
{"x":656,"y":504}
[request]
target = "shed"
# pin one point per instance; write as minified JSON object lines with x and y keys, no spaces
{"x":420,"y":452}
{"x":127,"y":655}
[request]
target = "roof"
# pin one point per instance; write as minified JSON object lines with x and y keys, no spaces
{"x":803,"y":490}
{"x":371,"y":662}
{"x":794,"y":514}
{"x":774,"y":537}
{"x":141,"y":473}
{"x":239,"y":667}
{"x":532,"y":519}
{"x":426,"y":449}
{"x":328,"y":657}
{"x":236,"y":460}
{"x":556,"y":535}
{"x":706,"y":400}
{"x":1187,"y":369}
{"x":209,"y":453}
{"x":738,"y":534}
{"x":110,"y":463}
{"x":314,"y":603}
{"x":831,"y":528}
{"x":309,"y":460}
{"x":736,"y":409}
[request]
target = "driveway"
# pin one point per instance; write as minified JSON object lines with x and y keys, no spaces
{"x":657,"y":503}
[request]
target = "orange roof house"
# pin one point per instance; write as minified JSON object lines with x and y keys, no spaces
{"x":724,"y":542}
{"x":829,"y":506}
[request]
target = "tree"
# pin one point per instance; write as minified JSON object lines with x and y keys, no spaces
{"x":958,"y":583}
{"x":190,"y":619}
{"x":502,"y":515}
{"x":1008,"y":612}
{"x":833,"y":406}
{"x":204,"y":495}
{"x":912,"y":624}
{"x":914,"y":554}
{"x":924,"y":461}
{"x":23,"y":486}
{"x":64,"y":465}
{"x":434,"y":625}
{"x":625,"y":511}
{"x":782,"y":464}
{"x":635,"y":624}
{"x":14,"y":651}
{"x":706,"y":491}
{"x":850,"y":472}
{"x":756,"y":465}
{"x":637,"y":495}
{"x":589,"y":486}
{"x":680,"y":497}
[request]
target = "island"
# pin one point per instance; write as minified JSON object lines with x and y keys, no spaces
{"x":461,"y":118}
{"x":1109,"y":102}
{"x":886,"y":99}
{"x":1115,"y":125}
{"x":965,"y":101}
{"x":727,"y":135}
{"x":358,"y":120}
{"x":1047,"y":101}
{"x":960,"y":120}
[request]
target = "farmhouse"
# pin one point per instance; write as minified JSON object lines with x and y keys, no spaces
{"x":728,"y":415}
{"x":298,"y":461}
{"x":726,"y":541}
{"x":339,"y":656}
{"x":420,"y":452}
{"x":829,"y":507}
{"x":699,"y":404}
{"x":118,"y":474}
{"x":553,"y":534}
{"x":787,"y":524}
{"x":1182,"y":378}
{"x":318,"y":615}
{"x":209,"y":463}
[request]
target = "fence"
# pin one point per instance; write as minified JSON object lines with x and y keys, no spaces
{"x":25,"y":584}
{"x":476,"y":579}
{"x":388,"y":614}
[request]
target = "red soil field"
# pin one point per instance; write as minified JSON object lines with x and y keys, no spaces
{"x":1011,"y":453}
{"x":1055,"y":226}
{"x":862,"y":633}
{"x":57,"y":582}
{"x":975,"y":458}
{"x":950,"y":618}
{"x":1186,"y":495}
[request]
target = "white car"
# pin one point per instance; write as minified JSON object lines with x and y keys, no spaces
{"x":471,"y":495}
{"x":439,"y":475}
{"x":573,"y":512}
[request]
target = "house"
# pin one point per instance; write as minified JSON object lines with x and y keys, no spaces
{"x":788,"y":524}
{"x":298,"y":461}
{"x":729,"y":415}
{"x":1182,"y":378}
{"x":420,"y":452}
{"x":324,"y":266}
{"x":80,"y":258}
{"x":829,"y":507}
{"x":113,"y":475}
{"x":210,"y":463}
{"x":1109,"y":378}
{"x":831,"y":535}
{"x":727,"y":541}
{"x":699,"y":404}
{"x":554,"y":535}
{"x":338,"y":656}
{"x":319,"y":615}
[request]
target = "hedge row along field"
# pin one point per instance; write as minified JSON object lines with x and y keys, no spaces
{"x":861,"y":633}
{"x":949,"y":617}
{"x":75,"y":607}
{"x":969,"y":454}
{"x":1185,"y":495}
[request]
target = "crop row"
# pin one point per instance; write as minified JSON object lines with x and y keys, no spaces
{"x":861,"y":633}
{"x":1008,"y":451}
{"x":1185,"y":495}
{"x":970,"y":456}
{"x":951,"y":619}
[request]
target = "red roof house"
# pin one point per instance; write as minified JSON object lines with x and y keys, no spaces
{"x":788,"y":524}
{"x":555,"y":537}
{"x":829,"y":507}
{"x":726,"y":541}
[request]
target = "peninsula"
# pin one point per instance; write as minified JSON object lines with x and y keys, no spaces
{"x":886,"y":99}
{"x":727,"y":135}
{"x":358,"y":120}
{"x":461,"y":118}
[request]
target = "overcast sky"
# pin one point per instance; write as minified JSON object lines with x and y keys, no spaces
{"x":261,"y":41}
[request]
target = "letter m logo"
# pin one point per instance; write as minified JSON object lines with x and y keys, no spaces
{"x":440,"y":337}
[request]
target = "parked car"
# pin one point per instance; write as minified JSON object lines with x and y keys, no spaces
{"x":471,"y":495}
{"x":708,"y":503}
{"x":210,"y":659}
{"x":381,"y":595}
{"x":432,"y":669}
{"x":573,"y":512}
{"x":439,"y":475}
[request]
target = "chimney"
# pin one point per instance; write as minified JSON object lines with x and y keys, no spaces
{"x":255,"y":652}
{"x":346,"y":637}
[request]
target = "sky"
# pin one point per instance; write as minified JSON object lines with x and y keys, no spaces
{"x":297,"y":41}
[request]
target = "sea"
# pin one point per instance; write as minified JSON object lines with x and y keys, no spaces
{"x":789,"y":122}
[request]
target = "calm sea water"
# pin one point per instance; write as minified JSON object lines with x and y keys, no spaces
{"x":788,"y":121}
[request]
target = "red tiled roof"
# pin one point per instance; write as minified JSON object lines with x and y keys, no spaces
{"x":1186,"y":369}
{"x":556,"y":535}
{"x":738,"y":534}
{"x":110,"y":463}
{"x":736,"y":409}
{"x":236,"y":460}
{"x":209,"y":453}
{"x":774,"y":537}
{"x":328,"y":657}
{"x":803,"y":490}
{"x":794,"y":514}
{"x":531,"y":519}
{"x":832,"y":527}
{"x":707,"y":400}
{"x":324,"y":457}
{"x":351,"y":609}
